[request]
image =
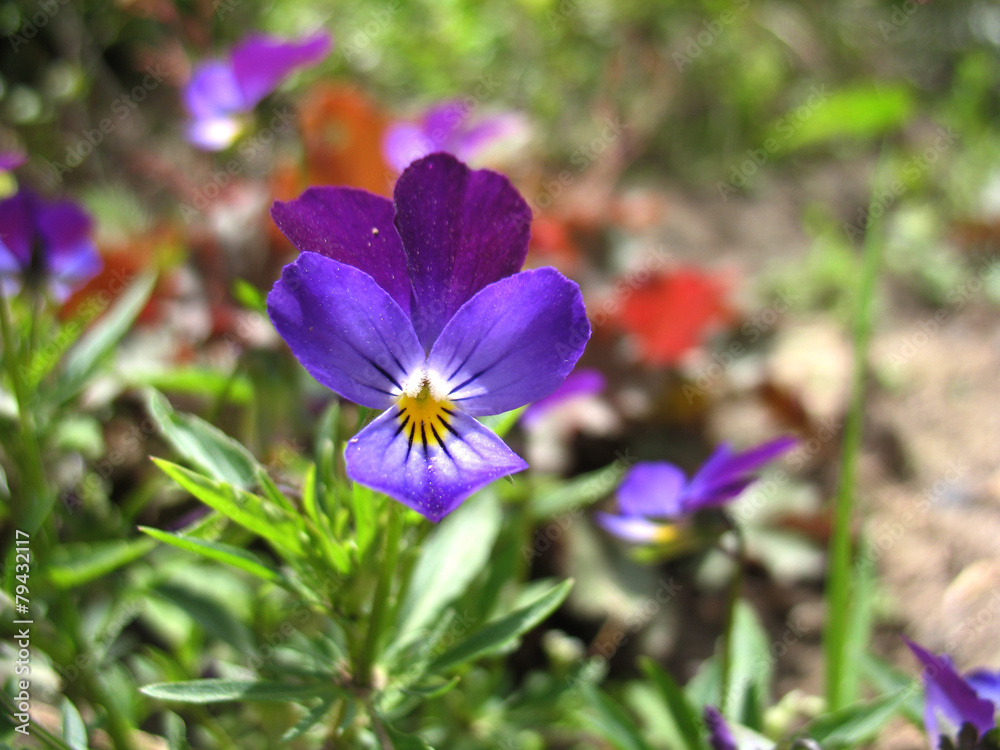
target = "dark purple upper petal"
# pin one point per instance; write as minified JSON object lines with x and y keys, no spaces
{"x":17,"y":227}
{"x":947,"y":693}
{"x":720,"y":736}
{"x":261,"y":62}
{"x":726,"y":474}
{"x":432,"y":476}
{"x":652,"y":489}
{"x":512,"y":343}
{"x":461,"y":230}
{"x":351,"y":226}
{"x":344,"y":329}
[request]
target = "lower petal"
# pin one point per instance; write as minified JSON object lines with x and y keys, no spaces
{"x":431,"y":466}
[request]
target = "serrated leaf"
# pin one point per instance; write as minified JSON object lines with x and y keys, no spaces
{"x":246,"y":509}
{"x":685,"y":716}
{"x":224,"y":553}
{"x":74,"y":731}
{"x":452,"y":556}
{"x":853,"y":725}
{"x":100,"y":341}
{"x":79,"y":563}
{"x":217,"y":691}
{"x":205,"y":446}
{"x":502,"y":632}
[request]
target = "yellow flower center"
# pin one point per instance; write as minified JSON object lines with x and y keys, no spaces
{"x":424,"y":418}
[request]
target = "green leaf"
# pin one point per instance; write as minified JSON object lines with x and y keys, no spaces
{"x":859,"y":624}
{"x":217,"y":691}
{"x":175,"y":731}
{"x":403,"y":741}
{"x":208,"y":448}
{"x":501,"y":424}
{"x":224,"y":553}
{"x":313,"y":717}
{"x":74,"y":730}
{"x":249,"y":296}
{"x":751,"y":665}
{"x":502,"y":632}
{"x":196,"y":381}
{"x":861,"y":111}
{"x":886,"y":679}
{"x":246,"y":509}
{"x":579,"y":492}
{"x":684,"y":714}
{"x":100,"y":341}
{"x":611,"y":721}
{"x":76,"y":564}
{"x":452,"y":556}
{"x":432,"y":687}
{"x":855,"y":724}
{"x":214,"y":619}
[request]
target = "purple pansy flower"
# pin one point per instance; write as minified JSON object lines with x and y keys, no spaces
{"x":417,"y":306}
{"x":971,"y":699}
{"x":720,"y":736}
{"x":446,"y":127}
{"x":45,"y":244}
{"x":579,"y":384}
{"x":220,"y":90}
{"x":653,"y":492}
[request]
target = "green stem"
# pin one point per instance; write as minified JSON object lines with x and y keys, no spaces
{"x":735,"y":591}
{"x":839,"y":582}
{"x":380,"y":601}
{"x":31,"y":503}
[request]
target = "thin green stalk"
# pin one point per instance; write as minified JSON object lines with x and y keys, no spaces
{"x":735,"y":591}
{"x":839,"y":577}
{"x":380,"y":601}
{"x":31,"y":503}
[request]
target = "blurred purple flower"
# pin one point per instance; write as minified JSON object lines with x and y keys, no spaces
{"x":417,"y":306}
{"x":220,"y":90}
{"x":10,"y":160}
{"x":971,"y":699}
{"x":653,"y":492}
{"x":720,"y":737}
{"x":582,"y":382}
{"x":447,"y":127}
{"x":45,"y":244}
